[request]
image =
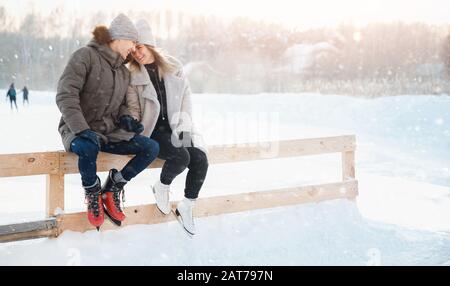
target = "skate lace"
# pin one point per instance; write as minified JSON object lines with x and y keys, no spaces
{"x":166,"y":193}
{"x":117,"y":191}
{"x":116,"y":198}
{"x":191,"y":213}
{"x":92,"y":202}
{"x":192,"y":217}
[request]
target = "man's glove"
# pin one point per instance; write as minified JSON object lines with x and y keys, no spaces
{"x":130,"y":124}
{"x":90,"y":135}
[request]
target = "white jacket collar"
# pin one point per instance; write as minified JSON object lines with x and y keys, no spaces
{"x":140,"y":76}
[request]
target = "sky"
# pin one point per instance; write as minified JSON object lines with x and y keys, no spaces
{"x":293,"y":13}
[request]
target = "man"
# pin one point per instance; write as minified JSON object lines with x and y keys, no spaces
{"x":91,"y":97}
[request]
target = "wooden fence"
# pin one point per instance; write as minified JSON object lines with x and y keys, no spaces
{"x":55,"y":165}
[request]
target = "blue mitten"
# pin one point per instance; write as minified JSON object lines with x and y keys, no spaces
{"x":126,"y":123}
{"x":91,"y":136}
{"x":138,"y":128}
{"x":130,"y":124}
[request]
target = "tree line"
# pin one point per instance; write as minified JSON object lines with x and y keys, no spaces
{"x":245,"y":56}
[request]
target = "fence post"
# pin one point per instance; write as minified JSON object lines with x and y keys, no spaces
{"x":348,"y":166}
{"x":55,"y":191}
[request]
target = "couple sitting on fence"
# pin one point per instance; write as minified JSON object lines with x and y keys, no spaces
{"x":143,"y":109}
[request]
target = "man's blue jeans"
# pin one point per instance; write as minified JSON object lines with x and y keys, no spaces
{"x":145,"y":149}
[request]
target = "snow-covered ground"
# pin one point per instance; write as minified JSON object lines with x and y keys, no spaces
{"x":402,"y":215}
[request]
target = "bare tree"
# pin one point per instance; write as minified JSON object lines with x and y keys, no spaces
{"x":2,"y":18}
{"x":244,"y":55}
{"x":447,"y":53}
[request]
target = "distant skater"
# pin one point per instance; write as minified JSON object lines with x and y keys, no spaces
{"x":12,"y":96}
{"x":25,"y":93}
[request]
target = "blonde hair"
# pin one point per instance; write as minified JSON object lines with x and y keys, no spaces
{"x":165,"y":63}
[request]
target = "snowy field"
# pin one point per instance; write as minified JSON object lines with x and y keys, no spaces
{"x":402,"y":216}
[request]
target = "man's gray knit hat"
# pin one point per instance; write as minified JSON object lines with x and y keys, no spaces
{"x":122,"y":28}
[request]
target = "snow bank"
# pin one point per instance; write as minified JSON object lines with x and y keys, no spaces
{"x":331,"y":233}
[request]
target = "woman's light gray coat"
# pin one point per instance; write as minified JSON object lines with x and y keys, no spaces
{"x":143,"y":104}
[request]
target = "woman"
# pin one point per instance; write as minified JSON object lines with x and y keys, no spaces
{"x":91,"y":97}
{"x":160,"y":98}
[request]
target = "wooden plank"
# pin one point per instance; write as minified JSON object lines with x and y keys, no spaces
{"x":28,"y":230}
{"x":28,"y":226}
{"x":144,"y":214}
{"x":282,"y":149}
{"x":149,"y":214}
{"x":224,"y":154}
{"x":28,"y":235}
{"x":15,"y":165}
{"x":54,"y":194}
{"x":105,"y":162}
{"x":277,"y":198}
